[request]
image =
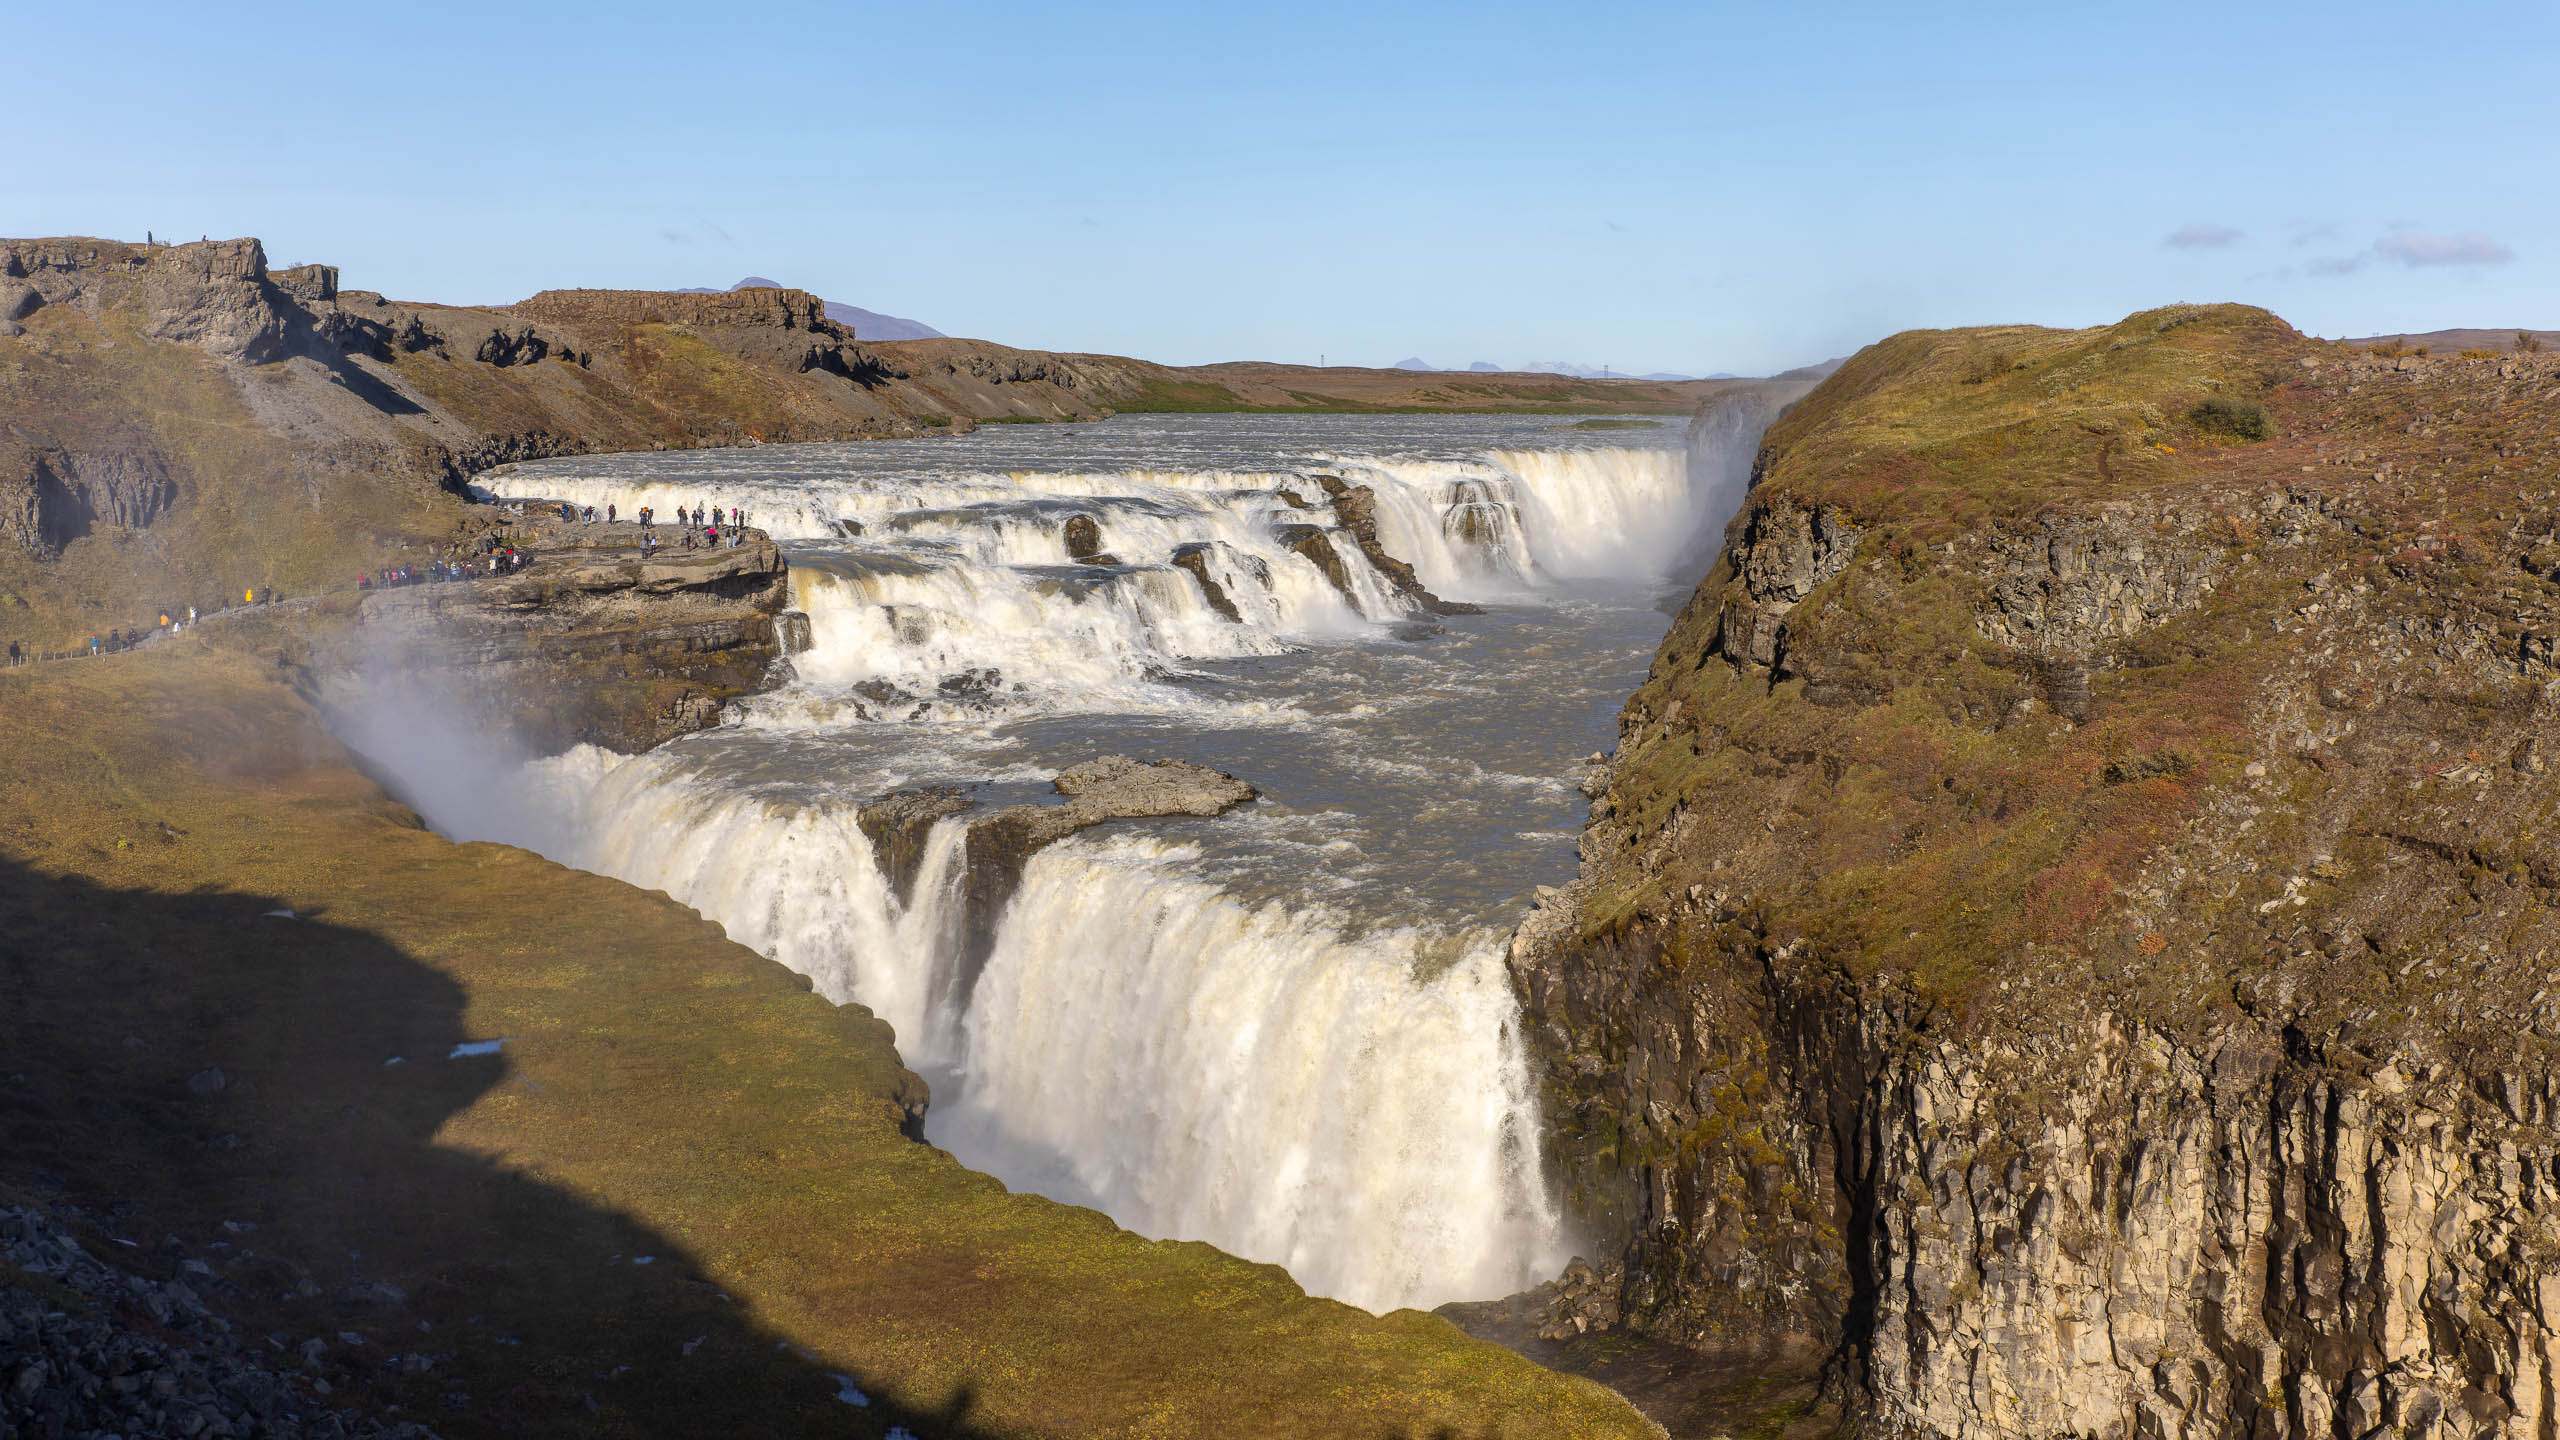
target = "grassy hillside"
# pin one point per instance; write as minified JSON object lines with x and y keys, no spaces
{"x":660,"y":1092}
{"x":2088,"y":571}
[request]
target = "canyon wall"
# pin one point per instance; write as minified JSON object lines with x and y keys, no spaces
{"x":2063,"y":947}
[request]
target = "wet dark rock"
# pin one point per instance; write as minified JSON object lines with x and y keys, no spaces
{"x":1310,"y":541}
{"x":1112,"y":787}
{"x":1084,"y":542}
{"x":1357,"y":507}
{"x":1194,"y":557}
{"x":898,"y":825}
{"x":791,"y":628}
{"x":1084,"y":537}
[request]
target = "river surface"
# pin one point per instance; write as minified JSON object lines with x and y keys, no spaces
{"x":1286,"y":1031}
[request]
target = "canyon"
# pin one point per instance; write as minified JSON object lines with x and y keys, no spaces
{"x":2058,"y":944}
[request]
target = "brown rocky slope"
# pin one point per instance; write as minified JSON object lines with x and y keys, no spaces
{"x":2065,"y":946}
{"x":183,"y":423}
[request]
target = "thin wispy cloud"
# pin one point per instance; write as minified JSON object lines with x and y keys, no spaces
{"x":2309,"y":232}
{"x":2201,"y":237}
{"x":2416,"y":247}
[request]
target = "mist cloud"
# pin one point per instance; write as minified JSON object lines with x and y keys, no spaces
{"x":2201,"y":237}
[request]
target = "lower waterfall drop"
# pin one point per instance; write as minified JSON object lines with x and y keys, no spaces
{"x":1357,"y":1110}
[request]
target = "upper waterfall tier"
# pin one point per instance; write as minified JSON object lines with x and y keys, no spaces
{"x":1092,"y":568}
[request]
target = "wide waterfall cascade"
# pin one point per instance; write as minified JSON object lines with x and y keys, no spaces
{"x":1286,"y":1031}
{"x":1352,"y":1105}
{"x":1038,"y":579}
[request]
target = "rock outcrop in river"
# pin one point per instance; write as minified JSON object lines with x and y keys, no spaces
{"x":2065,"y":944}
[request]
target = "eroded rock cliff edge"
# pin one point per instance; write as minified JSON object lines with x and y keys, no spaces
{"x":2065,"y":946}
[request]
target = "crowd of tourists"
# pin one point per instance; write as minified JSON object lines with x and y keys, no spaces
{"x":727,"y":522}
{"x":499,"y":560}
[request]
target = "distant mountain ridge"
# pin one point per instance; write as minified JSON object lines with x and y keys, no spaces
{"x":2501,"y":341}
{"x":1546,"y":367}
{"x":865,"y":324}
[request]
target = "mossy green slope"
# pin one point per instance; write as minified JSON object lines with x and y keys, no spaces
{"x":1879,"y":797}
{"x":659,"y":1089}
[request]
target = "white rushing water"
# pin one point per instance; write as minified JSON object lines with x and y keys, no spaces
{"x":1287,"y":1031}
{"x":916,"y":569}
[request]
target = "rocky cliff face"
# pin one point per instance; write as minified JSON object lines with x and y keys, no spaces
{"x":591,"y":644}
{"x":184,"y":422}
{"x":2065,"y":944}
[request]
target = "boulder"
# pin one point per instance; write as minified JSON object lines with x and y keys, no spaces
{"x":1084,"y":542}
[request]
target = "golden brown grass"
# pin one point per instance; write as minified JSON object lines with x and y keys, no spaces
{"x":661,"y":1091}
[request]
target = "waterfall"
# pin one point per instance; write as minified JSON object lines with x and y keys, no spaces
{"x":1358,"y":1110}
{"x":1356,"y":1107}
{"x":1345,"y":1094}
{"x":1090,"y":590}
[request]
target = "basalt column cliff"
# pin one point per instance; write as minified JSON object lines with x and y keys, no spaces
{"x":2064,"y":945}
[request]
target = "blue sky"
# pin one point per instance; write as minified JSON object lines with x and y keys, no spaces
{"x":1651,"y":187}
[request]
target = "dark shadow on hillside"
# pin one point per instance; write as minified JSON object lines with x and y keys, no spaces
{"x":306,"y":339}
{"x":213,"y":1083}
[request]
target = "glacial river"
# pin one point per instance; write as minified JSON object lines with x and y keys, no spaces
{"x":1287,"y":1030}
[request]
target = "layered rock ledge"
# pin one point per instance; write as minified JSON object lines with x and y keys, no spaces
{"x":1002,"y":841}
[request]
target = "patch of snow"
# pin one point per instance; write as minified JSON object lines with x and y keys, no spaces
{"x":281,"y":915}
{"x":846,"y":1392}
{"x":476,"y":1047}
